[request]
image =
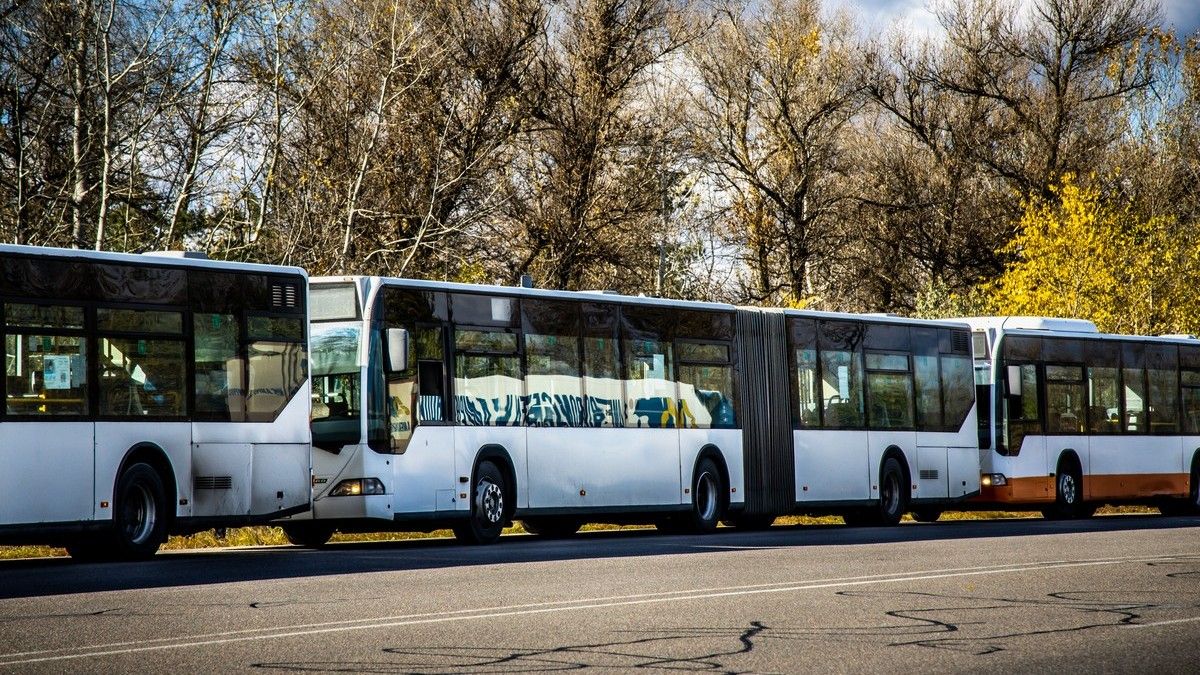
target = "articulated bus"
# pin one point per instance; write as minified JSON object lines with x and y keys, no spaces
{"x":1071,"y":419}
{"x":148,"y":395}
{"x":463,"y":406}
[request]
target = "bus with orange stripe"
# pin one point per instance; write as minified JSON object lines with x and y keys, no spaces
{"x":1071,"y":419}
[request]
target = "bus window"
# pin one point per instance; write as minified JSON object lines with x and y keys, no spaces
{"x":277,"y":365}
{"x":958,"y":390}
{"x":1104,"y":400}
{"x":604,"y":400}
{"x":646,"y":347}
{"x":219,"y":392}
{"x":1064,"y":399}
{"x":1133,"y":377}
{"x":1021,"y":404}
{"x":46,"y":374}
{"x":889,"y":391}
{"x":926,"y":378}
{"x":1162,"y":378}
{"x":1189,"y":381}
{"x":487,"y":378}
{"x":431,"y":374}
{"x":705,"y":386}
{"x":141,"y":378}
{"x":553,"y":382}
{"x":649,"y":383}
{"x":807,"y":407}
{"x":841,"y":373}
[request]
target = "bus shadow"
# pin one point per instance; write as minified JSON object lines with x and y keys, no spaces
{"x":58,"y":576}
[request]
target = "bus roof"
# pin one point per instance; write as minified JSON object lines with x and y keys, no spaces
{"x":157,"y":259}
{"x":1054,"y":327}
{"x":520,"y":291}
{"x":1043,"y":323}
{"x":606,"y":296}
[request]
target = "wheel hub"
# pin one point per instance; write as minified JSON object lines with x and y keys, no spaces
{"x":1067,"y":485}
{"x":490,"y":501}
{"x":706,"y":496}
{"x":138,"y":514}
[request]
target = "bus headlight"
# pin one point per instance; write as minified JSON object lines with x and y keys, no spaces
{"x":354,"y":487}
{"x":993,"y":480}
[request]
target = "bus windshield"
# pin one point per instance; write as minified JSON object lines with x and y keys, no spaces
{"x":336,"y":384}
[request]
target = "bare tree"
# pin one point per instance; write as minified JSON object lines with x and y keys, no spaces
{"x":779,"y":89}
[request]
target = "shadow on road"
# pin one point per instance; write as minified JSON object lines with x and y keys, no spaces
{"x":53,"y":576}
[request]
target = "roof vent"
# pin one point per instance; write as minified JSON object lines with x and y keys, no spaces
{"x":283,"y":296}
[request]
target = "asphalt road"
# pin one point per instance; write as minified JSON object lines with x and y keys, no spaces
{"x":1116,"y":594}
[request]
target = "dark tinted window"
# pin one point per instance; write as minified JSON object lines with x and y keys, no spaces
{"x":703,"y":325}
{"x":141,"y":284}
{"x":883,"y":336}
{"x":483,"y":310}
{"x":406,"y":307}
{"x":1062,"y":350}
{"x":1018,"y":348}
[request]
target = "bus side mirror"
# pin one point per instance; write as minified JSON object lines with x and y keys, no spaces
{"x":397,"y":350}
{"x":1014,"y":380}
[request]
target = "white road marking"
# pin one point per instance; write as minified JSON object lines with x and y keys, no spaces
{"x":246,"y":635}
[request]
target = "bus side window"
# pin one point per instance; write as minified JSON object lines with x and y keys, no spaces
{"x":1022,"y":404}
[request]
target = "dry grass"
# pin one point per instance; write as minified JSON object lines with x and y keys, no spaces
{"x":273,"y":536}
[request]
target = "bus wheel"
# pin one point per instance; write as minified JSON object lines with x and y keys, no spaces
{"x":1068,"y":492}
{"x":309,"y":535}
{"x":487,"y":509}
{"x":551,"y":528}
{"x":926,"y":514}
{"x":708,"y":498}
{"x":893,"y":497}
{"x":139,"y":514}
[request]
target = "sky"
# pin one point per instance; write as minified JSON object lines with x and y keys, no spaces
{"x":880,"y":15}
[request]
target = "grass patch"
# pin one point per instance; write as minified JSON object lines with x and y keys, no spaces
{"x":273,"y":536}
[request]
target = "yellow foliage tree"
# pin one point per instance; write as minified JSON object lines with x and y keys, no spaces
{"x":1081,"y":256}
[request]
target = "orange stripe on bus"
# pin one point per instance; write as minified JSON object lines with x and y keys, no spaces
{"x":1030,"y":490}
{"x":1135,"y":485}
{"x":1040,"y":489}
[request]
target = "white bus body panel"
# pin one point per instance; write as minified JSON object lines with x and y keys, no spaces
{"x":468,"y":441}
{"x":962,"y":471}
{"x":114,"y":440}
{"x":932,"y":461}
{"x":729,"y":442}
{"x":880,"y":441}
{"x":425,"y":470}
{"x":832,"y":465}
{"x":582,"y":468}
{"x":46,"y":472}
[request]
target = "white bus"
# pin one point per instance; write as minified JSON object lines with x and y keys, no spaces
{"x":1071,"y":419}
{"x":148,"y":395}
{"x":439,"y":404}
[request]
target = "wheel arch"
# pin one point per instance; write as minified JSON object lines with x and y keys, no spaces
{"x":1068,"y":456}
{"x":896,"y":453}
{"x":153,"y":455}
{"x":498,"y":455}
{"x":711,"y":451}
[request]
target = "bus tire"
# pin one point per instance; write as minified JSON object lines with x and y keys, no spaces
{"x":551,"y":528}
{"x":926,"y":514}
{"x":708,"y":498}
{"x":893,"y":493}
{"x":308,"y":535}
{"x":1068,"y":491}
{"x":488,"y":507}
{"x":140,"y":515}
